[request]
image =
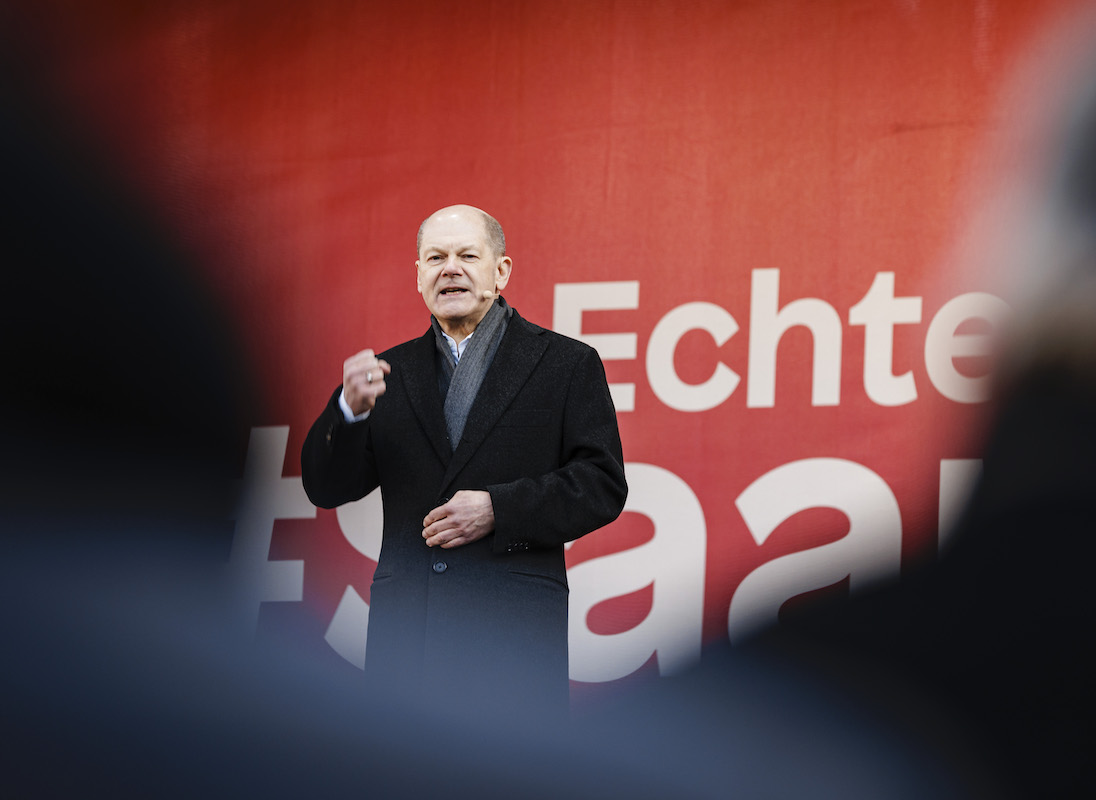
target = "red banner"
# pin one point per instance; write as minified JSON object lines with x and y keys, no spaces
{"x":748,"y":208}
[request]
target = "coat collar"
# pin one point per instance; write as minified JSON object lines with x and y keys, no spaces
{"x":420,"y":376}
{"x":521,"y":349}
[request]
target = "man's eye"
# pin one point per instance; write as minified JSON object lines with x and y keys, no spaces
{"x":434,"y":259}
{"x":469,"y":256}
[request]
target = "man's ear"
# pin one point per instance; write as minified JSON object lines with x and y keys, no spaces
{"x":418,"y":278}
{"x":502,"y":273}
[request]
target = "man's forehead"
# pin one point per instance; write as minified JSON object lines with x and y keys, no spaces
{"x":454,"y":227}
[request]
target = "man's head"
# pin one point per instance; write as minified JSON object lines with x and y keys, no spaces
{"x":462,"y":266}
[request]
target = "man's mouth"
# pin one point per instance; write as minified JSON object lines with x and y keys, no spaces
{"x":453,"y":290}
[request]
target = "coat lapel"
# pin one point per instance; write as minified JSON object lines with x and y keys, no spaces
{"x":521,"y":348}
{"x":419,"y":375}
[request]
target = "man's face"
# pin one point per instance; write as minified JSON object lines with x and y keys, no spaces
{"x":456,"y":267}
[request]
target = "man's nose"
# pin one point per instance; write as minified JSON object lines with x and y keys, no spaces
{"x":452,"y":266}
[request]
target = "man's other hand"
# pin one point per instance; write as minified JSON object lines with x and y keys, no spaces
{"x":469,"y":516}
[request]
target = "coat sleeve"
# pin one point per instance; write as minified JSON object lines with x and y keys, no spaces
{"x":337,"y":463}
{"x":587,"y":491}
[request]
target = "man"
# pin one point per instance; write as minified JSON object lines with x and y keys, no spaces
{"x":494,"y":442}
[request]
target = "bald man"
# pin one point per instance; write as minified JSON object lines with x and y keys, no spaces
{"x":494,"y":442}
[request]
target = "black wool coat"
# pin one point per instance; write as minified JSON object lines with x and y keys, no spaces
{"x":542,"y":439}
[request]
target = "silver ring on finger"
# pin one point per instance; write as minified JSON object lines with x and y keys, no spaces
{"x":369,"y":376}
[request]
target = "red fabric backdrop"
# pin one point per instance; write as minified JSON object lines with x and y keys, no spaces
{"x":711,"y":162}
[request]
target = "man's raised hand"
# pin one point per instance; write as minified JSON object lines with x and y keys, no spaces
{"x":363,"y":380}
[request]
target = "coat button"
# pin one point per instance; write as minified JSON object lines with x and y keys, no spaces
{"x":439,"y":567}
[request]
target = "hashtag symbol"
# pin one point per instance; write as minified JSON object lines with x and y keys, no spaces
{"x":265,"y":496}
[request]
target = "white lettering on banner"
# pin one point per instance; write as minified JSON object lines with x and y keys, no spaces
{"x":571,"y":299}
{"x":768,"y":325}
{"x":673,"y":561}
{"x":870,"y":551}
{"x":362,"y":523}
{"x":879,"y":311}
{"x":265,"y":497}
{"x":665,"y":383}
{"x":943,"y":344}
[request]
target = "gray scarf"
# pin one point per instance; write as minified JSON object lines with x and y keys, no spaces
{"x":460,"y":381}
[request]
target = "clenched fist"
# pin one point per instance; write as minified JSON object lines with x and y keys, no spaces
{"x":363,"y":380}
